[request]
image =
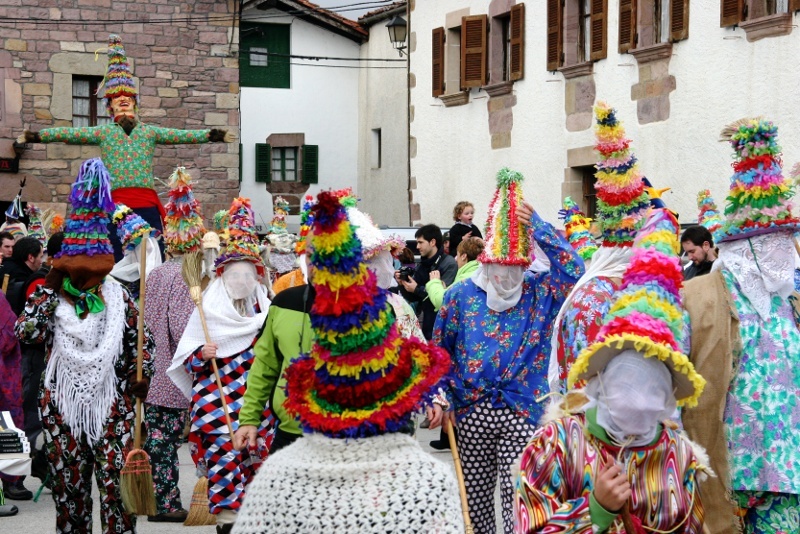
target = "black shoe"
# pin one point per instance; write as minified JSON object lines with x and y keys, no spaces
{"x":425,"y":424}
{"x":440,"y":445}
{"x":178,"y":516}
{"x":39,"y":465}
{"x":7,"y":510}
{"x":224,"y":529}
{"x":17,"y":493}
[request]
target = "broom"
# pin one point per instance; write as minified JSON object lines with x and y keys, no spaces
{"x":191,"y":271}
{"x":136,"y":484}
{"x":462,"y":489}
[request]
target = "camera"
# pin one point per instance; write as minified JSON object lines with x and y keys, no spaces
{"x":406,"y":273}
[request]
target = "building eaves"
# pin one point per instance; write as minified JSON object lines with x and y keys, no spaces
{"x":312,"y":13}
{"x":383,"y":13}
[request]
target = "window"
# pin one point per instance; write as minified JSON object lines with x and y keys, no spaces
{"x":265,"y":50}
{"x":376,"y":148}
{"x":584,"y":29}
{"x":733,"y":12}
{"x":589,"y":192}
{"x":87,"y":108}
{"x":284,"y":164}
{"x":507,"y":34}
{"x":651,"y":22}
{"x":576,"y":32}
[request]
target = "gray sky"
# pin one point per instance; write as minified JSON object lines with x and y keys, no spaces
{"x":351,"y":14}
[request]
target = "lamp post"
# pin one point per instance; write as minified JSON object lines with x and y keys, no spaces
{"x":398,"y":30}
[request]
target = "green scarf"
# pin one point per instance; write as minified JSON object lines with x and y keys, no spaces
{"x":84,"y":299}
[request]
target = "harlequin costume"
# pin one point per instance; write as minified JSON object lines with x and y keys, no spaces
{"x":622,"y":204}
{"x":500,"y":357}
{"x":168,"y":307}
{"x":89,"y":324}
{"x":354,"y":395}
{"x":235,"y":333}
{"x":637,"y":351}
{"x":127,"y":155}
{"x":743,"y":331}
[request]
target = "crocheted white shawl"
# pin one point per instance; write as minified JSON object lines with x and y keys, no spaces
{"x":323,"y":485}
{"x":80,"y":372}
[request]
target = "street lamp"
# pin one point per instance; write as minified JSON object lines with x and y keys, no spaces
{"x":398,"y":29}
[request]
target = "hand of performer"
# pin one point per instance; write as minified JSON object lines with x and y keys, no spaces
{"x":436,"y":415}
{"x":525,"y":212}
{"x":611,"y":487}
{"x":29,"y":137}
{"x":435,"y":275}
{"x":209,"y":351}
{"x":139,"y":388}
{"x":245,"y":435}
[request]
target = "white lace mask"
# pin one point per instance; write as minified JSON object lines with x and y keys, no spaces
{"x":382,"y":265}
{"x":240,"y":279}
{"x":502,"y":283}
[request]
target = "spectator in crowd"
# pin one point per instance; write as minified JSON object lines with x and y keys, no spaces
{"x":463,"y":213}
{"x":6,"y":245}
{"x":26,"y":259}
{"x":698,"y":245}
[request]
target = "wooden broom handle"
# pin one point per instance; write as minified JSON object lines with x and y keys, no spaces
{"x":137,"y":440}
{"x":627,"y":522}
{"x":5,"y":283}
{"x":462,"y":489}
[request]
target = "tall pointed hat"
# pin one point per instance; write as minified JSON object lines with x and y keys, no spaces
{"x":759,"y":201}
{"x":242,"y":243}
{"x":86,"y":254}
{"x":507,"y":239}
{"x":14,"y":211}
{"x":183,"y":224}
{"x":119,"y":79}
{"x":647,"y":312}
{"x":306,"y":220}
{"x":622,"y":201}
{"x":362,"y":378}
{"x":708,"y":215}
{"x":35,"y":225}
{"x":131,"y":227}
{"x":577,"y":226}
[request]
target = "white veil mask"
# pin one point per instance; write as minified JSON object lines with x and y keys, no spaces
{"x":382,"y":265}
{"x":240,"y":280}
{"x":633,"y":394}
{"x":502,"y":283}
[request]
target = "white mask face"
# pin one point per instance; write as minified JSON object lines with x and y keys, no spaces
{"x":240,"y":279}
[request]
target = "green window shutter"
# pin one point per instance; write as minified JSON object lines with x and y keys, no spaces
{"x":240,"y":162}
{"x":263,"y":163}
{"x":310,"y":164}
{"x":258,"y":69}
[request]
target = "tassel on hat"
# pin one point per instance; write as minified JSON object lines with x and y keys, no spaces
{"x":709,"y":215}
{"x":361,"y":377}
{"x":183,"y":225}
{"x":242,"y":242}
{"x":507,"y":239}
{"x":577,"y":226}
{"x":646,"y":314}
{"x":622,"y":201}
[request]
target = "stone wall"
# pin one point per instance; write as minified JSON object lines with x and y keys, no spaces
{"x":186,"y":76}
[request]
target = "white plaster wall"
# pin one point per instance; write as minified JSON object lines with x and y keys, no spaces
{"x":720,"y":77}
{"x":384,"y":104}
{"x":322,"y":103}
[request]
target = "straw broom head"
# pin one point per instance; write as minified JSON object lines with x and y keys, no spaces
{"x":192,"y":273}
{"x":198,"y":511}
{"x":136,"y":484}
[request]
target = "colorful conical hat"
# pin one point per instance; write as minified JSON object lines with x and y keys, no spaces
{"x":242,"y":243}
{"x":577,"y":226}
{"x":622,"y":201}
{"x":362,"y":378}
{"x":183,"y":225}
{"x":221,"y":225}
{"x":507,"y":239}
{"x":280,"y":209}
{"x":759,"y":201}
{"x":118,"y":80}
{"x":647,"y":313}
{"x":131,"y":227}
{"x":709,"y":215}
{"x":35,"y":226}
{"x":306,"y":220}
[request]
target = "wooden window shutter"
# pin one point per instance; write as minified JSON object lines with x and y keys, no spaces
{"x":473,"y":51}
{"x":554,"y":34}
{"x":794,"y":5}
{"x":240,"y":162}
{"x":599,"y":22}
{"x":678,"y":20}
{"x":263,"y":163}
{"x":627,"y":25}
{"x":310,"y":164}
{"x":730,"y":12}
{"x":437,"y":74}
{"x":517,"y":30}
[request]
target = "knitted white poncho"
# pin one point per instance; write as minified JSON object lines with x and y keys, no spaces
{"x":382,"y":484}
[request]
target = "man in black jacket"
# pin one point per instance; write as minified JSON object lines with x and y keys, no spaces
{"x":25,"y":259}
{"x":429,"y":238}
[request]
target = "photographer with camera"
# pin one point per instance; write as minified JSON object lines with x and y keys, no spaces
{"x":433,"y":258}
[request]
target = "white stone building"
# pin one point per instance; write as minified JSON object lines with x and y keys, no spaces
{"x":677,"y":72}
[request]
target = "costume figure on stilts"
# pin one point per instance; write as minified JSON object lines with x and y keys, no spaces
{"x":89,"y":323}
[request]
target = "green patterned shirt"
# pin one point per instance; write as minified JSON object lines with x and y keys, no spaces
{"x":129,"y":159}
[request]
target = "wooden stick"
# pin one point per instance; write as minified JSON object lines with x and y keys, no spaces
{"x":462,"y":489}
{"x":796,"y":246}
{"x":5,"y":283}
{"x":137,"y":439}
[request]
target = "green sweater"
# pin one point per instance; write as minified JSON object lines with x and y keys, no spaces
{"x":129,"y":159}
{"x":436,"y":289}
{"x":288,"y":326}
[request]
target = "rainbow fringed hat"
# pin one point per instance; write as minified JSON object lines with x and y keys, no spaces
{"x":709,"y":215}
{"x":507,"y":239}
{"x":183,"y":225}
{"x":131,"y":227}
{"x":118,"y":80}
{"x":242,"y":243}
{"x":759,"y":201}
{"x":306,"y":220}
{"x":577,"y":226}
{"x":622,"y":201}
{"x":35,"y":226}
{"x":280,"y":209}
{"x":362,"y":378}
{"x":647,"y":313}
